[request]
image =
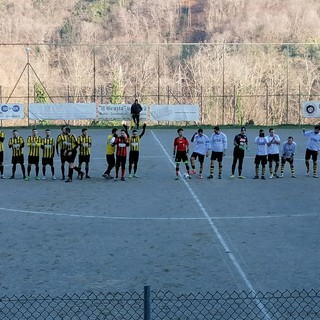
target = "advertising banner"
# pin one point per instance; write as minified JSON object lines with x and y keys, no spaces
{"x":178,"y":112}
{"x":11,"y":111}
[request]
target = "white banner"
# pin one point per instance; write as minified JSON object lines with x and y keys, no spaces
{"x":311,"y":109}
{"x":119,"y":112}
{"x":11,"y":111}
{"x":62,"y":111}
{"x":178,"y":112}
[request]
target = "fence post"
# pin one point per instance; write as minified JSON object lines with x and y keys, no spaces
{"x":147,"y":303}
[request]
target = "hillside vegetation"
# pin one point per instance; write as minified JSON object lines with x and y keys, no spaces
{"x":147,"y":70}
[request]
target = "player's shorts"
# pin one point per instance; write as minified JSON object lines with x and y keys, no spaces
{"x":260,"y":159}
{"x":181,"y":156}
{"x":111,"y":161}
{"x":196,"y":155}
{"x":62,"y":156}
{"x":72,"y":157}
{"x":1,"y":156}
{"x":273,"y":157}
{"x":217,"y":156}
{"x":33,"y":160}
{"x":284,"y":160}
{"x":133,"y":156}
{"x":84,"y":159}
{"x":311,"y":154}
{"x":18,"y":159}
{"x":47,"y":161}
{"x":121,"y":161}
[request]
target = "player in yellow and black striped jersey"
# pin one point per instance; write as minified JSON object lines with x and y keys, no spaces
{"x":85,"y":143}
{"x":48,"y":147}
{"x":61,"y":143}
{"x":16,"y":144}
{"x":2,"y":137}
{"x":134,"y":147}
{"x":110,"y":149}
{"x":70,"y":153}
{"x":34,"y":144}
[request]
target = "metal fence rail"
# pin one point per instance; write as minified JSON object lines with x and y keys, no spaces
{"x":147,"y":305}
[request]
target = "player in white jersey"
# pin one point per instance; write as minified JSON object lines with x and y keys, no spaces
{"x":288,"y":150}
{"x":273,"y":153}
{"x":200,"y":150}
{"x":313,"y":147}
{"x":261,"y":154}
{"x":218,"y":146}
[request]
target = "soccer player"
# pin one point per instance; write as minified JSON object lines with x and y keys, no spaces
{"x":85,"y":143}
{"x":261,"y":154}
{"x":16,"y":143}
{"x":218,"y":145}
{"x":61,"y":143}
{"x":70,"y":154}
{"x":288,"y":150}
{"x":273,"y":153}
{"x":200,"y":150}
{"x":110,"y":149}
{"x":313,"y":147}
{"x":181,"y":152}
{"x":134,"y":147}
{"x":240,"y":142}
{"x":2,"y":137}
{"x":121,"y":142}
{"x":34,"y":144}
{"x":47,"y":146}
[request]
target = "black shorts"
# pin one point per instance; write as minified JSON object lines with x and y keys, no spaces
{"x":311,"y":154}
{"x":62,"y":156}
{"x":18,"y":159}
{"x":273,"y":157}
{"x":71,"y":158}
{"x":121,"y":161}
{"x":284,"y":160}
{"x":84,"y":159}
{"x":133,"y":156}
{"x":181,"y":156}
{"x":47,"y":161}
{"x":1,"y":156}
{"x":196,"y":155}
{"x":260,"y":159}
{"x":111,"y":161}
{"x":33,"y":160}
{"x":217,"y":156}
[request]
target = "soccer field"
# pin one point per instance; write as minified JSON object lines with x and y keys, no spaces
{"x":184,"y":236}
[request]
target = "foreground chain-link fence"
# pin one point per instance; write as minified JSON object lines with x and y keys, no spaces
{"x":149,"y":305}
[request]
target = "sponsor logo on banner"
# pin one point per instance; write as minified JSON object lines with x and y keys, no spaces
{"x":119,"y":112}
{"x":11,"y":111}
{"x":311,"y":109}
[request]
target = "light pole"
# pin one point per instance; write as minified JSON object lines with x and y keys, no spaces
{"x":28,"y":81}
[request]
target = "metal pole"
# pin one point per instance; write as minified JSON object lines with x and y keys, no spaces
{"x":147,"y":303}
{"x":299,"y":110}
{"x":94,"y":74}
{"x":267,"y":104}
{"x":223,"y":84}
{"x":158,"y":73}
{"x":287,"y":117}
{"x":234,"y":104}
{"x":28,"y":82}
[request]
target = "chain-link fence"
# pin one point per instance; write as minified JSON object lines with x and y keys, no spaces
{"x":149,"y":305}
{"x":233,"y":83}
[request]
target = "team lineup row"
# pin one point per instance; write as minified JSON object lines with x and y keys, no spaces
{"x":67,"y":145}
{"x":268,"y":150}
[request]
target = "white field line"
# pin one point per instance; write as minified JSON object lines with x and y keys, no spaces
{"x":225,"y":246}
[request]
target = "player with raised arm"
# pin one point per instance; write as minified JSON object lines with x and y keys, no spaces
{"x":181,"y":152}
{"x":61,"y":143}
{"x":121,"y":142}
{"x":313,"y":148}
